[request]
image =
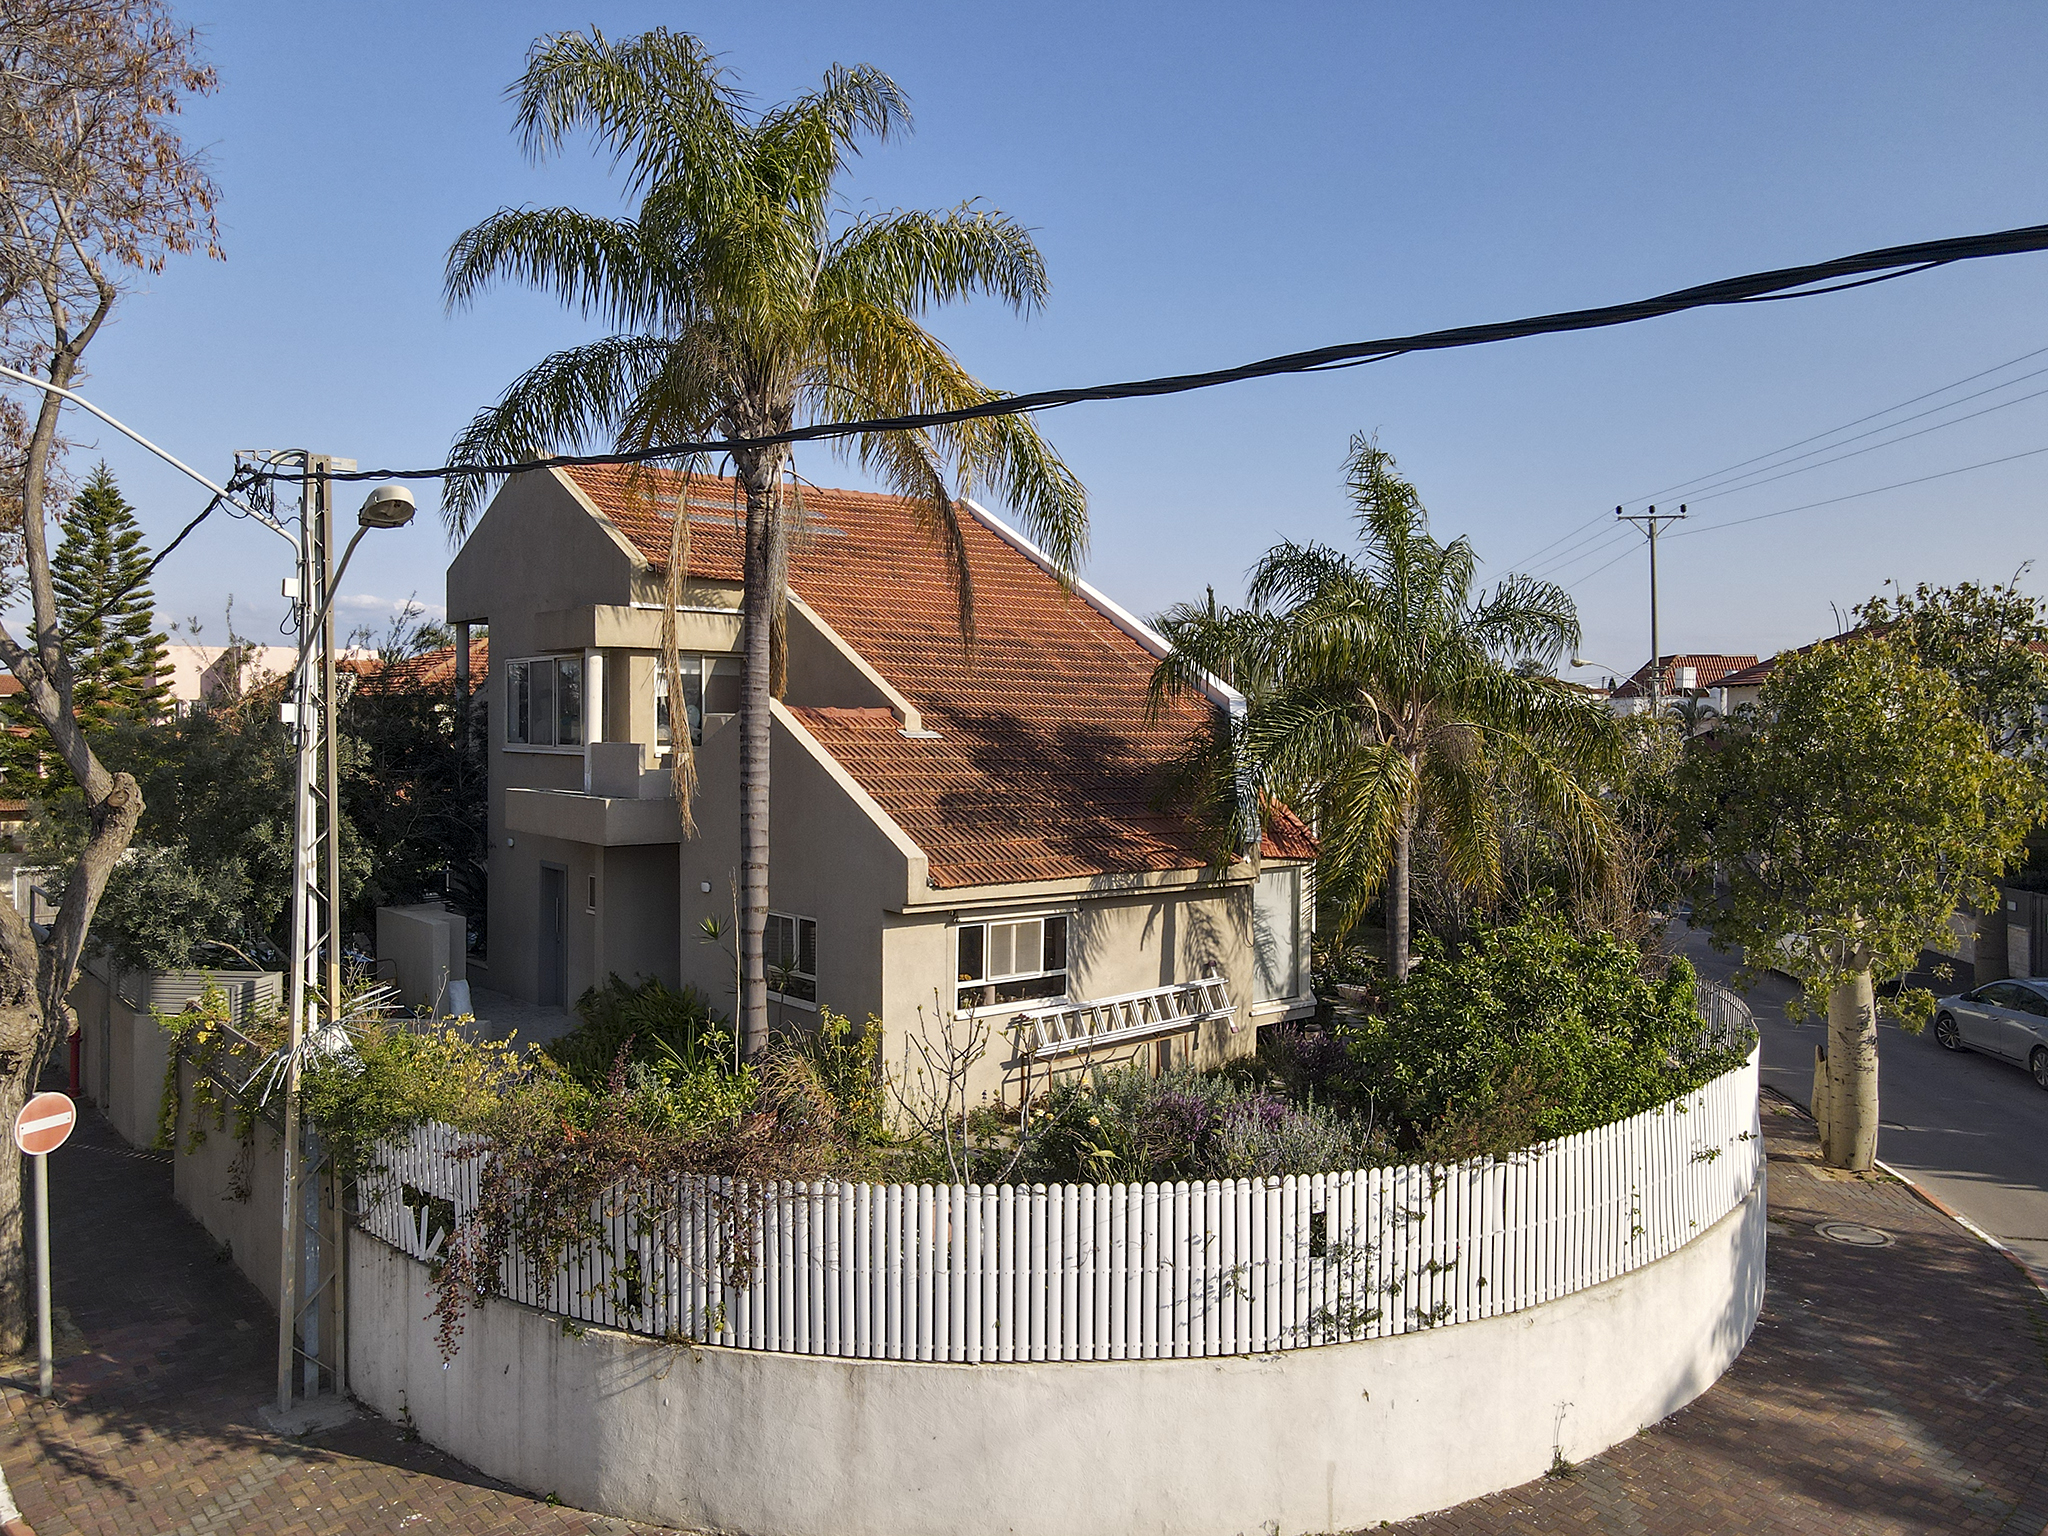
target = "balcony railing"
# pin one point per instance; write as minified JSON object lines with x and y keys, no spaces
{"x":1066,"y":1029}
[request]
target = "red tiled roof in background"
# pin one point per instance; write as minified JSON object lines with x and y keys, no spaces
{"x":1044,"y":763}
{"x":1757,"y":673}
{"x":1714,"y":671}
{"x":429,"y":669}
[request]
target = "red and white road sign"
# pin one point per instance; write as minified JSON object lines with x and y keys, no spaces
{"x":44,"y":1123}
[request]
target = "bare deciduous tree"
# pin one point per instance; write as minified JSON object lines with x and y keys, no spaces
{"x":95,"y":188}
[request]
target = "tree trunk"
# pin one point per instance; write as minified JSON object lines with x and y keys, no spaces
{"x":18,"y":1029}
{"x":1397,"y":900}
{"x":1851,"y":1121}
{"x":760,"y":474}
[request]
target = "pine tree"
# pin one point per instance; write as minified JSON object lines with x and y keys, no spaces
{"x":106,"y":611}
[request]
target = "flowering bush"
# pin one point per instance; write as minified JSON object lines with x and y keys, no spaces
{"x":1124,"y":1125}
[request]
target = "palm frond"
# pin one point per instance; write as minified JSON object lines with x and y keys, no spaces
{"x":591,"y":264}
{"x":568,"y":400}
{"x":908,"y":262}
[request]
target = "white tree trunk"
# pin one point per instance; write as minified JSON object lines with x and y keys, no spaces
{"x":1851,"y":1121}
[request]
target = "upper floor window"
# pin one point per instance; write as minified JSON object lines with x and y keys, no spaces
{"x":790,"y":952}
{"x":544,"y":702}
{"x":1012,"y":960}
{"x":711,"y":686}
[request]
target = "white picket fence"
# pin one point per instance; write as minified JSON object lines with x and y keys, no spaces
{"x":1119,"y":1271}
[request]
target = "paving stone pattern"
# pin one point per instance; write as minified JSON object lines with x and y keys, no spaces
{"x":1901,"y":1389}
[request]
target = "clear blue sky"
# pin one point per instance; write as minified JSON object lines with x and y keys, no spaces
{"x":1211,"y":184}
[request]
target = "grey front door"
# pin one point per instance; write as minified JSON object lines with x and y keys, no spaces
{"x":554,"y":902}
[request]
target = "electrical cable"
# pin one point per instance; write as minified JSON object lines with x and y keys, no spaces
{"x":1785,"y":282}
{"x":1577,"y":535}
{"x":1737,"y":522}
{"x":1764,"y":478}
{"x":1715,"y":474}
{"x":221,"y":498}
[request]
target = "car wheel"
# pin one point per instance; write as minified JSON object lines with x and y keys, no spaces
{"x":2040,"y":1066}
{"x":1946,"y":1032}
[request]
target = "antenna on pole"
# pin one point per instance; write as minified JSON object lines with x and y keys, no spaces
{"x":1649,"y":522}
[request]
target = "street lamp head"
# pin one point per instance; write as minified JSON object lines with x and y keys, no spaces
{"x":389,"y":506}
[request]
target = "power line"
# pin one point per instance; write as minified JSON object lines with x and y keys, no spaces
{"x":1783,"y":283}
{"x":1716,"y":474}
{"x":1765,"y":479}
{"x":1593,"y":529}
{"x":1737,"y":522}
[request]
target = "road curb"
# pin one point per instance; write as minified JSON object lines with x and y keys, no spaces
{"x":1928,"y":1196}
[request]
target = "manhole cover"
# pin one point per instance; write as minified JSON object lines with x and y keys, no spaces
{"x":1854,"y":1233}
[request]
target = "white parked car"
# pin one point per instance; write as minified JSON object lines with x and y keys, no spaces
{"x":2007,"y":1019}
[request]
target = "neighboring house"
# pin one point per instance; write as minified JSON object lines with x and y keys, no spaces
{"x":960,"y":836}
{"x":1746,"y":687}
{"x":440,"y":668}
{"x":1685,"y":673}
{"x":201,"y":674}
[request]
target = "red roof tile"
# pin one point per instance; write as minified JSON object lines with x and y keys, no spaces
{"x":1044,"y":764}
{"x":429,"y":668}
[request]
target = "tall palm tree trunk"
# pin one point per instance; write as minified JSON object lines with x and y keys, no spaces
{"x":765,"y":561}
{"x":1397,"y":895}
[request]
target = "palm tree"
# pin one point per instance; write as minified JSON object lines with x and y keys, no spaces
{"x":1382,"y":692}
{"x":743,"y":303}
{"x":1692,"y":712}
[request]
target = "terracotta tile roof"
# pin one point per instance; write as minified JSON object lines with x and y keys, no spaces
{"x":429,"y":668}
{"x":1044,"y":763}
{"x":1714,"y":671}
{"x":1757,"y":673}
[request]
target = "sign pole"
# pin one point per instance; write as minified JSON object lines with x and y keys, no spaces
{"x":45,"y":1367}
{"x":44,"y":1124}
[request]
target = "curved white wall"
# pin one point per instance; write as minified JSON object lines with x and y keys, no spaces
{"x":1322,"y":1439}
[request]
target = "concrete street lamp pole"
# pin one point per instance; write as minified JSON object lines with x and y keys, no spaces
{"x":316,"y":880}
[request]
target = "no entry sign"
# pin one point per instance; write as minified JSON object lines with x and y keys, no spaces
{"x":44,"y":1123}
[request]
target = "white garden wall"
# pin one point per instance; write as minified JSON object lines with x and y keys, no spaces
{"x":1320,"y":1439}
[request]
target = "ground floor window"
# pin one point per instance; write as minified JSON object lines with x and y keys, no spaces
{"x":1276,"y":935}
{"x":791,"y":955}
{"x":1012,"y":960}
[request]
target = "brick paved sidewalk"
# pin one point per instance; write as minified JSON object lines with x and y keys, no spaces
{"x":1896,"y":1389}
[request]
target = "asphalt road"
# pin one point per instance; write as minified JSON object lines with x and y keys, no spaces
{"x":1972,"y":1129}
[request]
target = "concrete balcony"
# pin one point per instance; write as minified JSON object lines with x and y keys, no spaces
{"x":606,"y":821}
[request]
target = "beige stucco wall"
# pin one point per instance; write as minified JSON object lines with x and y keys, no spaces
{"x":831,"y":862}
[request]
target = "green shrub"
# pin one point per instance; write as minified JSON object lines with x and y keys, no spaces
{"x":653,"y":1024}
{"x":1530,"y":1033}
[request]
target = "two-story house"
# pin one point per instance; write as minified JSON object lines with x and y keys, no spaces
{"x":961,"y":833}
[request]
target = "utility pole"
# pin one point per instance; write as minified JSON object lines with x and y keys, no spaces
{"x":314,"y":983}
{"x":1649,"y":522}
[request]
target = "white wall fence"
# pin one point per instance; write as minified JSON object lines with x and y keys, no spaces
{"x":1120,"y":1271}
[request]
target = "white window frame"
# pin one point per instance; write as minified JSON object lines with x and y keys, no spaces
{"x":518,"y":672}
{"x":797,"y":922}
{"x":1001,"y":919}
{"x":704,"y":662}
